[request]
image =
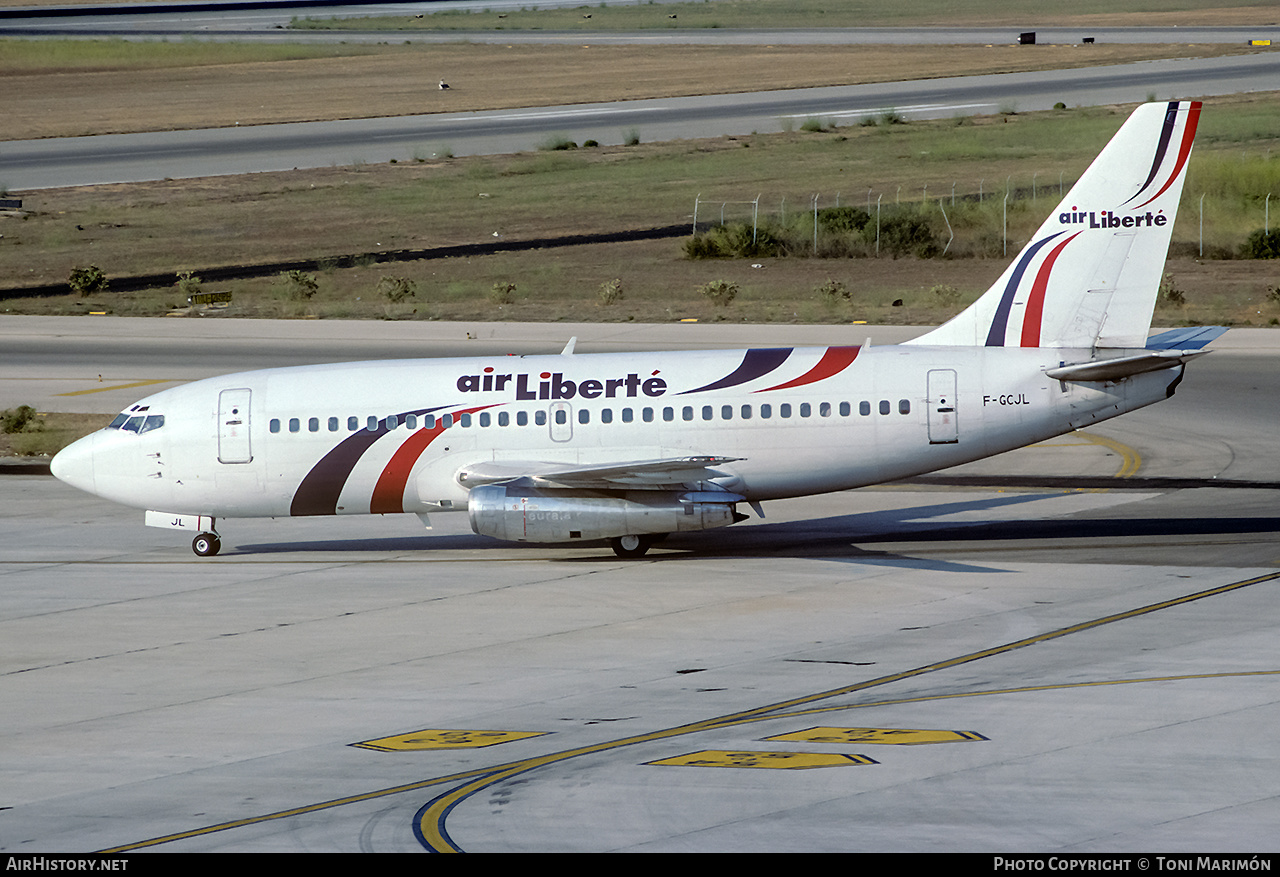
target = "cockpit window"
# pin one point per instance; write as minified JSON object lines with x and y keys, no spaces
{"x":138,"y":423}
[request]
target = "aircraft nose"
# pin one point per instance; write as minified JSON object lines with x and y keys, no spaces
{"x":74,"y":464}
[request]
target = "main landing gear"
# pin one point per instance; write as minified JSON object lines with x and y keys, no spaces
{"x":631,"y":546}
{"x":206,"y":544}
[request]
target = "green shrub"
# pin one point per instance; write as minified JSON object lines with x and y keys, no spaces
{"x":908,"y":235}
{"x":945,"y":295}
{"x":20,"y":419}
{"x":87,"y":281}
{"x":299,"y":285}
{"x":557,"y":143}
{"x":735,"y":239}
{"x":1171,"y":292}
{"x":502,"y":293}
{"x":631,"y":137}
{"x":720,"y":292}
{"x":834,"y":292}
{"x":843,"y":218}
{"x":611,"y":291}
{"x":188,"y":284}
{"x":397,"y":289}
{"x":1262,"y":244}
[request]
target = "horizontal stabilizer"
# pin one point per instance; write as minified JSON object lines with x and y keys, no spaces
{"x":1193,"y":338}
{"x":1124,"y":366}
{"x":637,"y":474}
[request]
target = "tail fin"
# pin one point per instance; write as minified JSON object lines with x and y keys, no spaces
{"x":1090,"y":275}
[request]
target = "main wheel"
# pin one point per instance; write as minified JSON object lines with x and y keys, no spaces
{"x":630,"y":546}
{"x":206,"y":544}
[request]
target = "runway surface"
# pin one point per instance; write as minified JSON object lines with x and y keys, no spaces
{"x":75,"y":161}
{"x":1078,"y":669}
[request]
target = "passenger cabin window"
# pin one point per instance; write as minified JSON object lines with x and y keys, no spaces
{"x":884,"y":406}
{"x":904,"y":406}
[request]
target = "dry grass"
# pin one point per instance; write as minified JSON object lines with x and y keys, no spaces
{"x":172,"y":226}
{"x":402,"y":80}
{"x":50,"y":433}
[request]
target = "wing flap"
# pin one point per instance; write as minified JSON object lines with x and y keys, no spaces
{"x":667,"y":472}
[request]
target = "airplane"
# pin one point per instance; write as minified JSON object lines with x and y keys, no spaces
{"x":630,"y":447}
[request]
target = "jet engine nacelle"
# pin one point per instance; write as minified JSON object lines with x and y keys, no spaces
{"x":536,"y":515}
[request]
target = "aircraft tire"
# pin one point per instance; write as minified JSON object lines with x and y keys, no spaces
{"x":206,"y":544}
{"x":630,"y":546}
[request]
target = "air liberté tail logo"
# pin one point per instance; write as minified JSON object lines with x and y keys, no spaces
{"x":554,"y":385}
{"x":1109,"y":219}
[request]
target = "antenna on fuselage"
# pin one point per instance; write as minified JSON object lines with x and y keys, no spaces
{"x":568,"y":348}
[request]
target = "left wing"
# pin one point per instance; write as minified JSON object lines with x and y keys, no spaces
{"x":643,"y":474}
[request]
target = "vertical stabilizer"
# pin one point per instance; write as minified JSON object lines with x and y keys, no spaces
{"x":1090,"y":275}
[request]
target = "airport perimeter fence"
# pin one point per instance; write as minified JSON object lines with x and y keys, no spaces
{"x":928,"y":222}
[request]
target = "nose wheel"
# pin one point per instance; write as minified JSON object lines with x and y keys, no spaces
{"x":206,"y":544}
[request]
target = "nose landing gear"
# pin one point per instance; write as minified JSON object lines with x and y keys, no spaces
{"x":206,"y":544}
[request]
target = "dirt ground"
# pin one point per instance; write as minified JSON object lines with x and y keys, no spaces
{"x":403,"y":80}
{"x":1241,"y":15}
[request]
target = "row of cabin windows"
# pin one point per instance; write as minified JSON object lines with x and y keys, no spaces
{"x":627,"y":415}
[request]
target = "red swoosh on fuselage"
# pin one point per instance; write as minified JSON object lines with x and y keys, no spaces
{"x":388,"y":493}
{"x":834,"y":361}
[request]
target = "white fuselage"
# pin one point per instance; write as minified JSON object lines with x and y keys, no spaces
{"x":393,"y":436}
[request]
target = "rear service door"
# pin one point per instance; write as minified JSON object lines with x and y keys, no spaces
{"x":943,"y":426}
